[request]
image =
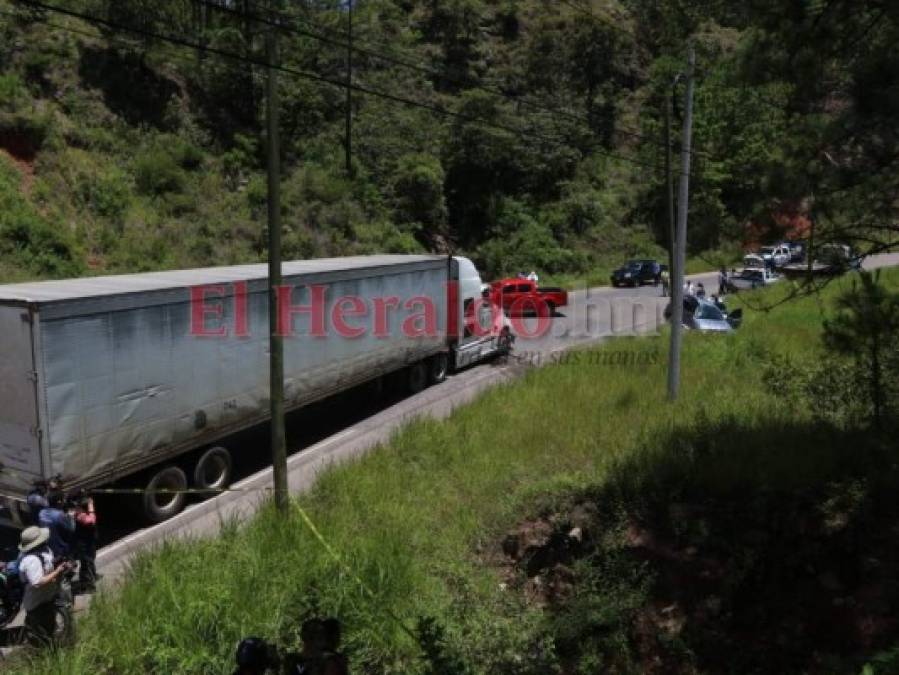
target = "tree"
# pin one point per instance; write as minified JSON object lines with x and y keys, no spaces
{"x":418,"y":192}
{"x":866,"y":329}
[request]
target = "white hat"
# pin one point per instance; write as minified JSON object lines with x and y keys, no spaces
{"x":32,"y":537}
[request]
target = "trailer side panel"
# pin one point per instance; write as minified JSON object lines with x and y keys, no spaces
{"x":126,"y":387}
{"x":20,"y":450}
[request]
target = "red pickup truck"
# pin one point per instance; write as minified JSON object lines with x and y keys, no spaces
{"x":521,"y":296}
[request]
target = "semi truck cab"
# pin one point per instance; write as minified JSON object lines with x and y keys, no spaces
{"x":479,"y":327}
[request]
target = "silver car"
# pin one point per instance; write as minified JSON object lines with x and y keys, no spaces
{"x":708,"y":316}
{"x":704,"y":315}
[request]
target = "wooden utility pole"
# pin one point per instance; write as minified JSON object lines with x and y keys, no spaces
{"x":669,"y":179}
{"x":348,"y":147}
{"x":276,"y":341}
{"x":680,"y":255}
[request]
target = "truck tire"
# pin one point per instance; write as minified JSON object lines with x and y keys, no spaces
{"x":160,"y":506}
{"x":437,"y":368}
{"x":550,"y":309}
{"x":416,"y":377}
{"x":213,"y":469}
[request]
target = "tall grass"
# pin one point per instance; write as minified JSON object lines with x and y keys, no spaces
{"x":412,"y":518}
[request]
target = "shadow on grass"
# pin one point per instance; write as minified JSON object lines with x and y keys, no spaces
{"x":727,"y":548}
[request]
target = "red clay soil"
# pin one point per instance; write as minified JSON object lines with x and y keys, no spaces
{"x":21,"y":157}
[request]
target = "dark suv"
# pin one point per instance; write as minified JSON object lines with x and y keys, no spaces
{"x":637,"y":272}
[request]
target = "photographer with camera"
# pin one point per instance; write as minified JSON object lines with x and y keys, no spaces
{"x":85,"y":543}
{"x":42,"y":577}
{"x":59,"y":519}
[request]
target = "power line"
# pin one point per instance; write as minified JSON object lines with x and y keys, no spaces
{"x":440,"y":110}
{"x":426,"y":70}
{"x":586,"y":11}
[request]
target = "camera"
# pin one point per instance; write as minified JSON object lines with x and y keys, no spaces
{"x":72,"y":566}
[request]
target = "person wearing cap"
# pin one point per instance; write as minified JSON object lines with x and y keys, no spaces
{"x":42,"y":584}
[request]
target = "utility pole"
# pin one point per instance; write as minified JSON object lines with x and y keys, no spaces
{"x":680,"y":255}
{"x":276,"y":341}
{"x":669,"y":177}
{"x":348,"y":147}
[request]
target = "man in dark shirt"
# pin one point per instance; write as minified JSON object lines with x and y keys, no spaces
{"x":60,"y":523}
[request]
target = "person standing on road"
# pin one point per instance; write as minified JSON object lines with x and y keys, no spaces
{"x":86,"y":545}
{"x":666,"y":282}
{"x":722,"y":281}
{"x":42,"y":580}
{"x":37,"y":502}
{"x":532,"y":276}
{"x":60,"y":523}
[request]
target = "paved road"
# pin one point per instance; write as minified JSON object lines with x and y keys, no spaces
{"x":350,"y":424}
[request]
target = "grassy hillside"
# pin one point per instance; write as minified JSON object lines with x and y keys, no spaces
{"x":529,"y":134}
{"x":731,"y":481}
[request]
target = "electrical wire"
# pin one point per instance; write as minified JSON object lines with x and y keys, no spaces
{"x":426,"y":70}
{"x":342,"y":84}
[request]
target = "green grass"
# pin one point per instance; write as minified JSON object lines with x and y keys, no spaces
{"x":411,"y":518}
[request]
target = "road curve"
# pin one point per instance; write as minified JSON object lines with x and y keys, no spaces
{"x":592,"y":315}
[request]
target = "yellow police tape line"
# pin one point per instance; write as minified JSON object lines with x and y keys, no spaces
{"x":346,"y":568}
{"x":303,"y":515}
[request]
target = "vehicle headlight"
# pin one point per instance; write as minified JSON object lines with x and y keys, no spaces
{"x":627,"y":274}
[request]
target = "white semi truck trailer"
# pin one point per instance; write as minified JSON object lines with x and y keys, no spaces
{"x":144,"y":377}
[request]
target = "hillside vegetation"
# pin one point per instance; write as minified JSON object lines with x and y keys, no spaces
{"x":739,"y":531}
{"x":536,"y":143}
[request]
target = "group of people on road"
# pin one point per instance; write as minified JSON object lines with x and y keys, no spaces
{"x":698,"y":289}
{"x":61,"y":540}
{"x":320,"y":654}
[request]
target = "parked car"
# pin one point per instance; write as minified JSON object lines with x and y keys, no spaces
{"x":751,"y":278}
{"x":754,"y":261}
{"x":778,"y":256}
{"x":797,"y":250}
{"x":637,"y":272}
{"x":706,"y":315}
{"x":839,"y":258}
{"x":522,"y":296}
{"x":830,"y":259}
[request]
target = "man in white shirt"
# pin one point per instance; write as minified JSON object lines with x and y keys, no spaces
{"x":532,"y":276}
{"x":42,"y":584}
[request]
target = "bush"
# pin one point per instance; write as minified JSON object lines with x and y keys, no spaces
{"x":156,"y":172}
{"x":107,"y":194}
{"x":12,"y":91}
{"x":26,"y":238}
{"x":418,"y":191}
{"x":187,"y":155}
{"x":530,"y":247}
